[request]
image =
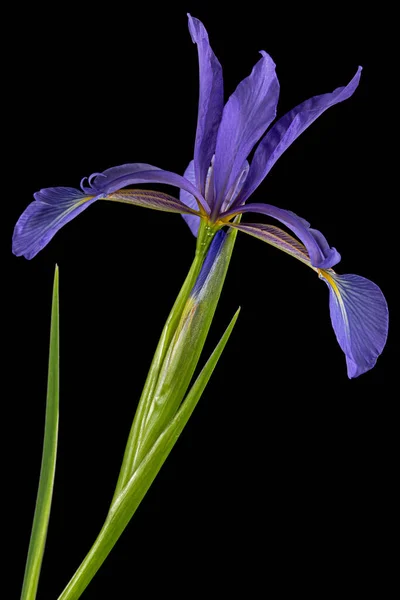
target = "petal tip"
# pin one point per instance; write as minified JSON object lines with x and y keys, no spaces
{"x":196,"y":29}
{"x":267,"y":57}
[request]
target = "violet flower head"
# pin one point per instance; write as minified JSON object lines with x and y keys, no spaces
{"x":219,"y":181}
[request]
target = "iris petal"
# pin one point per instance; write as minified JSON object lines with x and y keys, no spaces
{"x":358,"y":308}
{"x":190,"y":200}
{"x":247,"y":114}
{"x":321,"y":255}
{"x":359,"y":316}
{"x":115,"y":178}
{"x":102,"y":181}
{"x":55,"y":207}
{"x":51,"y":210}
{"x":276,"y":237}
{"x":211,"y":102}
{"x":150,"y":199}
{"x":286,"y":130}
{"x":236,"y":187}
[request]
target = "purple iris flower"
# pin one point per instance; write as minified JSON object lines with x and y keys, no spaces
{"x":218,"y":182}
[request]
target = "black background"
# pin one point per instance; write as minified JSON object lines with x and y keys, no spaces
{"x":283,"y":478}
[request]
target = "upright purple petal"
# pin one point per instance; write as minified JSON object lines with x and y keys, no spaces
{"x":286,"y":130}
{"x":52,"y":209}
{"x":116,"y":178}
{"x":319,"y":251}
{"x":359,"y":316}
{"x":211,"y":102}
{"x":234,"y":191}
{"x":247,"y":114}
{"x":190,"y":200}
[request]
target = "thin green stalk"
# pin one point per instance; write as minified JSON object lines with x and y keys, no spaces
{"x":130,"y":456}
{"x":47,"y":471}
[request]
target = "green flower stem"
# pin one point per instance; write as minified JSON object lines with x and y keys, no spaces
{"x":130,"y":461}
{"x":48,"y":467}
{"x":184,"y":351}
{"x":128,"y":500}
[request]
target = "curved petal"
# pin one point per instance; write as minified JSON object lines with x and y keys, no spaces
{"x":359,"y":315}
{"x":321,"y":255}
{"x":116,"y":178}
{"x":286,"y":130}
{"x":211,"y":102}
{"x":52,"y":209}
{"x":276,"y":237}
{"x":150,"y":199}
{"x":103,"y":181}
{"x":190,"y":200}
{"x":55,"y":207}
{"x":247,"y":114}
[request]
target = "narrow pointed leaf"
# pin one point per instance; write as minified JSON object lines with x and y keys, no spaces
{"x":47,"y":471}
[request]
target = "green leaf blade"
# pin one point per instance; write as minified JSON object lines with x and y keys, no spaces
{"x":47,"y":470}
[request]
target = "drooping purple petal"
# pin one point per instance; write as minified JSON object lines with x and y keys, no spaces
{"x":321,"y":255}
{"x":211,"y":102}
{"x":190,"y":201}
{"x":358,"y":309}
{"x":52,"y":209}
{"x":116,"y":178}
{"x":276,"y":237}
{"x":151,"y":199}
{"x":55,"y":207}
{"x":286,"y":130}
{"x":360,"y":317}
{"x":247,"y":114}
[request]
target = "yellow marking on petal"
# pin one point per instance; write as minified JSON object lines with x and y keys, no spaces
{"x":326,"y":275}
{"x":202,"y":211}
{"x":225,"y":220}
